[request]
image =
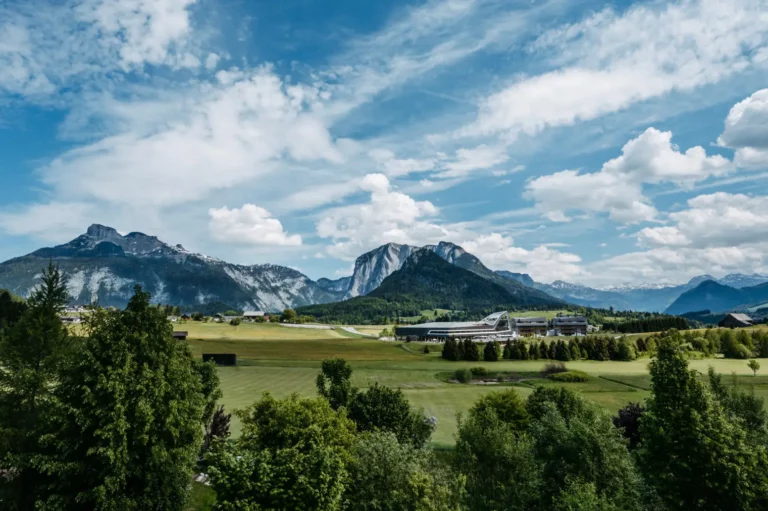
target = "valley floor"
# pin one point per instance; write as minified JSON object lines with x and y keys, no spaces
{"x":280,"y":360}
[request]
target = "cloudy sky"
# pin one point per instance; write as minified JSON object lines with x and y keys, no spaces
{"x":569,"y":139}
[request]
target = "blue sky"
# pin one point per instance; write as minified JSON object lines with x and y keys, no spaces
{"x":575,"y":140}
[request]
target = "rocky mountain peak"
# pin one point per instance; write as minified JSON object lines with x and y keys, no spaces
{"x":103,"y":233}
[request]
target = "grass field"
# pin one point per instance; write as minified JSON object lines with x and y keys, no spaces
{"x":284,"y":360}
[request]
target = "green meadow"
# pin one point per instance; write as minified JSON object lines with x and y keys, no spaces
{"x":283,"y":360}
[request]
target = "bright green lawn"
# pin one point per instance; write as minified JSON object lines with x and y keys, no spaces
{"x":284,"y":360}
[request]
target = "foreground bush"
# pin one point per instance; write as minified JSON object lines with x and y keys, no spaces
{"x":292,"y":454}
{"x":553,"y":368}
{"x":463,"y":375}
{"x":570,"y":376}
{"x":388,"y":475}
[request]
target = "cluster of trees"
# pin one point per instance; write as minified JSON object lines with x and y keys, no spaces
{"x":113,"y":420}
{"x":659,"y":323}
{"x":348,"y":449}
{"x":169,"y":310}
{"x":738,"y":344}
{"x":290,"y":316}
{"x":586,"y":348}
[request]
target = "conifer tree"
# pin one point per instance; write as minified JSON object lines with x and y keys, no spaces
{"x":491,"y":351}
{"x":32,"y":352}
{"x":129,"y":418}
{"x":471,"y":351}
{"x":507,"y":350}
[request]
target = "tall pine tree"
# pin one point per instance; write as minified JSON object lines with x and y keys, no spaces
{"x":32,"y":352}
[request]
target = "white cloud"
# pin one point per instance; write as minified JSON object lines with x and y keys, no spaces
{"x":142,"y":31}
{"x":390,"y":216}
{"x":226,"y":135}
{"x":662,"y":236}
{"x":47,"y":48}
{"x":676,"y":265}
{"x":50,"y":221}
{"x":617,"y":188}
{"x":394,"y":167}
{"x":746,"y":131}
{"x":249,"y":225}
{"x":477,"y":158}
{"x":716,"y":220}
{"x":542,"y":263}
{"x":211,"y":61}
{"x":610,"y":61}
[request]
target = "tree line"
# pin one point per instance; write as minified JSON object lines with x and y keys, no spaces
{"x":586,"y":348}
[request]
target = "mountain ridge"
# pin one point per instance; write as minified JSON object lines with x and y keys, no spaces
{"x":103,"y":266}
{"x":426,"y":280}
{"x":717,"y":298}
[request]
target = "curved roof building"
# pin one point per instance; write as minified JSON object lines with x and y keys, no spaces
{"x":497,"y":324}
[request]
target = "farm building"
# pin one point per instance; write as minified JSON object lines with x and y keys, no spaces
{"x":181,"y":335}
{"x":735,"y":320}
{"x":251,"y":315}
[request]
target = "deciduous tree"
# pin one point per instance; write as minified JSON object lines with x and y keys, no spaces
{"x":380,"y":408}
{"x":292,"y":454}
{"x":333,"y":382}
{"x":386,"y":475}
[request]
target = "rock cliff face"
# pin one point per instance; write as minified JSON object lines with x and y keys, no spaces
{"x":103,"y":266}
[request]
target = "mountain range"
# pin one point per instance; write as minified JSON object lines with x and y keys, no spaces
{"x":104,"y":265}
{"x":717,"y":297}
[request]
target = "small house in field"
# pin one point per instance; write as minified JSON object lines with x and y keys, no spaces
{"x":252,"y":315}
{"x":186,"y":317}
{"x":735,"y":320}
{"x":180,"y":335}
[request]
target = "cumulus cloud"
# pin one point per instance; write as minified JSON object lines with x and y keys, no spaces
{"x":609,"y":61}
{"x":677,"y":264}
{"x":249,"y":225}
{"x":542,"y":263}
{"x":716,"y":220}
{"x":617,"y":188}
{"x":389,"y":216}
{"x":746,"y":131}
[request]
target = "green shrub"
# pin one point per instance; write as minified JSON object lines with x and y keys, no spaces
{"x":463,"y":375}
{"x":426,"y":349}
{"x":570,"y":376}
{"x":553,"y":368}
{"x":479,"y":371}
